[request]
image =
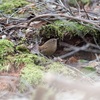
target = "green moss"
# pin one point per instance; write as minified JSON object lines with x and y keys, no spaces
{"x":74,"y":28}
{"x":22,"y":48}
{"x":26,"y":59}
{"x":2,"y":67}
{"x":30,"y":59}
{"x":74,"y":2}
{"x":5,"y":67}
{"x":8,"y":6}
{"x":36,"y":66}
{"x":60,"y":68}
{"x":62,"y":28}
{"x":32,"y":74}
{"x":6,"y":48}
{"x":31,"y":71}
{"x":89,"y":68}
{"x":33,"y":66}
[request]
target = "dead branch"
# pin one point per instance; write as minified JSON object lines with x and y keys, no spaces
{"x":89,"y":47}
{"x":65,"y":16}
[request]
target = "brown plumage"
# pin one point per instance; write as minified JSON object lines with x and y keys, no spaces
{"x":49,"y":47}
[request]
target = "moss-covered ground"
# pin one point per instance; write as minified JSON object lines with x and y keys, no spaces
{"x":61,"y":28}
{"x":10,"y":6}
{"x":31,"y":67}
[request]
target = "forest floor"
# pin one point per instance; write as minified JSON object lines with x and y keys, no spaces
{"x":74,"y":68}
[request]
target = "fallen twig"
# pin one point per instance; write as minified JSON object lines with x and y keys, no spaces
{"x":67,"y":17}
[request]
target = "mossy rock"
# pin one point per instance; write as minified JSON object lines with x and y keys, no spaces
{"x":59,"y":29}
{"x":6,"y":48}
{"x":9,"y":6}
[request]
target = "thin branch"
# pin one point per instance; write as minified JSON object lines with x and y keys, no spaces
{"x":74,"y":49}
{"x":66,"y":16}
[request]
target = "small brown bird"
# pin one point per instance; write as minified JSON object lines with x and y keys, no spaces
{"x":49,"y":47}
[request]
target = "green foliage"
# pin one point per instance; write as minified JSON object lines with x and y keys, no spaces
{"x":8,"y":6}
